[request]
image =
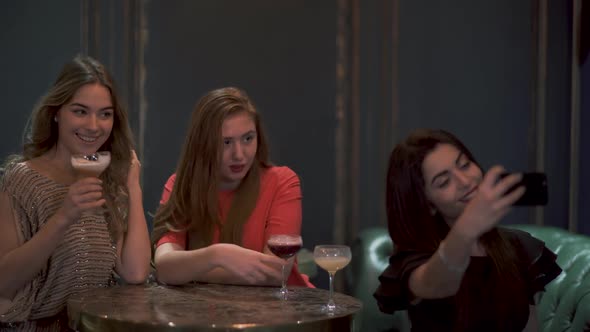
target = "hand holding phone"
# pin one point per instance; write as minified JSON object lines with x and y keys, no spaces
{"x":535,"y":189}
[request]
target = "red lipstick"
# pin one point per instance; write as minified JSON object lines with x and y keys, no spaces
{"x":236,"y":168}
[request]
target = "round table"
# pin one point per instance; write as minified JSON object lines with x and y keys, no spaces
{"x":208,"y":307}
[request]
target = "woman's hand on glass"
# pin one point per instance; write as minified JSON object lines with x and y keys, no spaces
{"x":83,"y":195}
{"x":253,"y":267}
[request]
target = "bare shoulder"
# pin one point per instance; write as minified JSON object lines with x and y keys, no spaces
{"x":39,"y":164}
{"x":51,"y":169}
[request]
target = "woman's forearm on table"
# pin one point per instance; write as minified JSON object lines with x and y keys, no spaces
{"x":21,"y":264}
{"x":222,"y":263}
{"x":176,"y":267}
{"x":134,"y":261}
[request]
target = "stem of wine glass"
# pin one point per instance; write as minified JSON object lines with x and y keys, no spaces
{"x":284,"y":283}
{"x":331,"y":305}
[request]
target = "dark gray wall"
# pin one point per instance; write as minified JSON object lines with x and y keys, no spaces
{"x":584,"y":198}
{"x":281,"y":53}
{"x":558,"y":106}
{"x":36,"y":38}
{"x":466,"y":68}
{"x":469,"y":68}
{"x":377,"y":131}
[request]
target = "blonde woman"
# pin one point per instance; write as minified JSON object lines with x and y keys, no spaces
{"x":54,"y":239}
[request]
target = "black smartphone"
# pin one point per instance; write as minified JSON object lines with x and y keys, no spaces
{"x":536,"y":189}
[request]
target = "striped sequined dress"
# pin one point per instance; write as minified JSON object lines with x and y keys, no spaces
{"x":84,"y":259}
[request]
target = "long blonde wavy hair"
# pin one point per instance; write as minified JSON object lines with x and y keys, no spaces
{"x":193,"y":203}
{"x":42,"y":133}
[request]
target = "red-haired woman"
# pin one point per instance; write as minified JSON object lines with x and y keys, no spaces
{"x":225,"y":200}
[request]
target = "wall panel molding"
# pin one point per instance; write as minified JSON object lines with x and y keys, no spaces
{"x":575,"y":119}
{"x":539,"y":91}
{"x":347,"y":145}
{"x":115,"y":33}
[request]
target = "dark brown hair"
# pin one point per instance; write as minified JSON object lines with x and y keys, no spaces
{"x":193,"y":203}
{"x":412,"y":226}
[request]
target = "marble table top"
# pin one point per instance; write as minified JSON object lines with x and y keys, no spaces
{"x":208,"y":307}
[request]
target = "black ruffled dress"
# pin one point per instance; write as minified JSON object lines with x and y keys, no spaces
{"x":536,"y":263}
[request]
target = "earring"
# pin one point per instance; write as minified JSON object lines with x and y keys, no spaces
{"x":55,"y":118}
{"x":433,"y":212}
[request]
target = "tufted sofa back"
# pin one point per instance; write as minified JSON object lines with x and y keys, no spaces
{"x":564,"y":306}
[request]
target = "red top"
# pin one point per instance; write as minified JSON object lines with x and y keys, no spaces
{"x":278,"y":211}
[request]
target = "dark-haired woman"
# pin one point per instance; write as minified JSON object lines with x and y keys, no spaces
{"x":453,"y":268}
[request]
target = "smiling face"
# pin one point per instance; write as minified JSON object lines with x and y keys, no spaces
{"x":86,"y":121}
{"x":239,"y":146}
{"x":451,"y":180}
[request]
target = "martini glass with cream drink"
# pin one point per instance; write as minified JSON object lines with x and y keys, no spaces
{"x":331,"y":258}
{"x":91,"y":165}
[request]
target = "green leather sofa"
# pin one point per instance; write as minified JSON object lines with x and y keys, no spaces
{"x":564,"y":306}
